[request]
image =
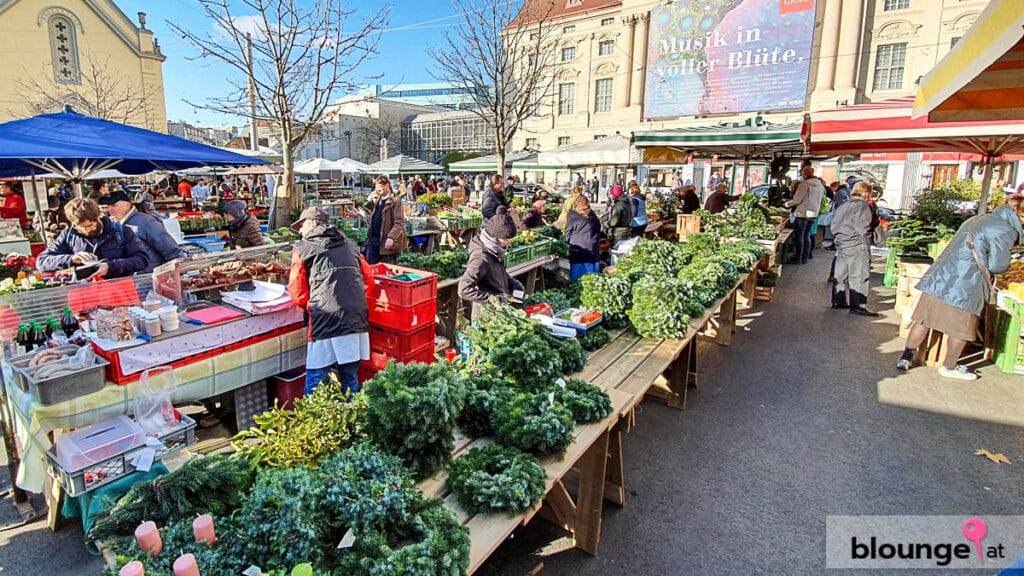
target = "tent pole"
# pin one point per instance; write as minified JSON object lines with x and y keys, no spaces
{"x":746,"y":170}
{"x":39,"y":212}
{"x":986,"y":183}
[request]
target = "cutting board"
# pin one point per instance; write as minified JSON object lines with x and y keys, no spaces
{"x":213,"y":315}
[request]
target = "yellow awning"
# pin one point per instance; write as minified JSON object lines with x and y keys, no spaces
{"x":982,"y":78}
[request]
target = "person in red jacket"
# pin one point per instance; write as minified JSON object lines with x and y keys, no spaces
{"x":14,"y":203}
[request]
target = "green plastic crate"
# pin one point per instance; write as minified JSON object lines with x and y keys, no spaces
{"x":891,"y":271}
{"x":517,"y":255}
{"x":1008,"y":347}
{"x":539,"y":248}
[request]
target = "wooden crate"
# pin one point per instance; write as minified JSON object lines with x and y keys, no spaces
{"x":764,"y":293}
{"x":687,"y":224}
{"x":906,"y":286}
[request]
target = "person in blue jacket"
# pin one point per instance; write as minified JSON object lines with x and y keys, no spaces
{"x":160,"y":246}
{"x":94,"y":238}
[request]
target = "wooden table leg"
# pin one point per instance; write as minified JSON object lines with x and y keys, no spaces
{"x":726,"y":320}
{"x":591,"y":496}
{"x":678,"y":378}
{"x":448,"y":301}
{"x":748,"y":288}
{"x":54,"y":495}
{"x":615,"y":480}
{"x":691,"y":365}
{"x":531,"y":281}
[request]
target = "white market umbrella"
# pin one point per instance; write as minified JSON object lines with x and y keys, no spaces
{"x":612,"y":151}
{"x":402,"y":164}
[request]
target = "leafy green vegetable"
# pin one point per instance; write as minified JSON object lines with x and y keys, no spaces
{"x":497,"y":478}
{"x":595,"y":338}
{"x":654,"y":258}
{"x":608,"y":293}
{"x":659,"y":308}
{"x":446,"y":263}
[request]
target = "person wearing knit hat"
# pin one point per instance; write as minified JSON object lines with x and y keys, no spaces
{"x":486,"y":276}
{"x":619,"y":216}
{"x":243,"y":229}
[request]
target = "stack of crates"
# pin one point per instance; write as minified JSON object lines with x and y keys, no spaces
{"x":1008,"y":345}
{"x":403,"y":305}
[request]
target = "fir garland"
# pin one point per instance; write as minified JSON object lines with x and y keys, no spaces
{"x":365,"y":488}
{"x":595,"y":338}
{"x":412,"y":412}
{"x":527,"y":360}
{"x":534,"y":424}
{"x":587,"y":402}
{"x":496,"y":478}
{"x":572,"y":354}
{"x":213,"y":484}
{"x":483,"y":393}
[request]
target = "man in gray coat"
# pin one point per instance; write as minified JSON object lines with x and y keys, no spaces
{"x":807,"y":203}
{"x":160,"y":246}
{"x":851,"y":227}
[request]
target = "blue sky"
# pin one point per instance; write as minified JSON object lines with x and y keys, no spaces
{"x":402,"y":57}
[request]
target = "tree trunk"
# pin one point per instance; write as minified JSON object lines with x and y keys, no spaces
{"x":500,"y":161}
{"x":285,"y":193}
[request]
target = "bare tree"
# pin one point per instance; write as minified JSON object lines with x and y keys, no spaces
{"x":504,"y":56}
{"x":374,"y":129}
{"x":303,"y":54}
{"x":102,"y":92}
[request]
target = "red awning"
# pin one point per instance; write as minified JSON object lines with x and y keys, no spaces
{"x":886,"y":126}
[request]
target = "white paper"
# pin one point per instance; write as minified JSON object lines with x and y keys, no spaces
{"x":144,"y":461}
{"x":264,"y":292}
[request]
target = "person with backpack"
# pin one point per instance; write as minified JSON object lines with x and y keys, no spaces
{"x":93,"y":238}
{"x":638,"y":204}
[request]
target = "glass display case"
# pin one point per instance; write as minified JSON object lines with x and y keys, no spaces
{"x":179,"y":278}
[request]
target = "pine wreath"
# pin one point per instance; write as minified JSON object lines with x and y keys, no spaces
{"x":483,"y":393}
{"x":587,"y":402}
{"x":595,"y":338}
{"x":535,"y":424}
{"x":496,"y":478}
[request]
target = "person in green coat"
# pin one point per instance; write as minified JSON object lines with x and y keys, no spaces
{"x":620,"y":216}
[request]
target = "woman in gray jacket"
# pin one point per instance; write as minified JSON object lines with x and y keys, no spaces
{"x":851,"y":228}
{"x":956,"y":287}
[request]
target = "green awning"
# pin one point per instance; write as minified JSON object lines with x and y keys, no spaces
{"x":755,"y":138}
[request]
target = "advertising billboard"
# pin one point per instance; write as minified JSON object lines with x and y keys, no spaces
{"x":727,"y":56}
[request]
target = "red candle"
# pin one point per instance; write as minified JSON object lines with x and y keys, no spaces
{"x":148,"y":538}
{"x":185,"y":565}
{"x":202,"y":528}
{"x":133,"y":568}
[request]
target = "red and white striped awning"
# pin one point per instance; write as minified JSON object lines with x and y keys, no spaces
{"x":887,"y":126}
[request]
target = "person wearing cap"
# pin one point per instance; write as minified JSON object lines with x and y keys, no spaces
{"x":160,"y":246}
{"x":619,"y":216}
{"x":386,"y":237}
{"x":485,"y":275}
{"x":243,"y":229}
{"x":327,"y":279}
{"x":93,"y":238}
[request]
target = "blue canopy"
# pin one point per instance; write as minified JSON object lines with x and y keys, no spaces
{"x":76,"y":146}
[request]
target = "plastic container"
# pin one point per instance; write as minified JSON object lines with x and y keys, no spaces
{"x":66,"y":386}
{"x":288,"y":387}
{"x":101,"y":441}
{"x":398,"y":286}
{"x":403,"y":318}
{"x":1008,"y":352}
{"x":517,"y":255}
{"x":379,"y":360}
{"x":539,"y":249}
{"x":400,"y":343}
{"x":209,"y":243}
{"x":891,"y":272}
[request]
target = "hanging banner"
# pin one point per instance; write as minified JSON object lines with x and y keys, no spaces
{"x":728,"y":56}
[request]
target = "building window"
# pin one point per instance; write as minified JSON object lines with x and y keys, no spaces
{"x":564,"y":141}
{"x":896,"y":5}
{"x":889,"y":62}
{"x":531,"y":143}
{"x":534,"y":59}
{"x":64,"y":50}
{"x":603,"y":95}
{"x":954,"y":41}
{"x":606,"y":47}
{"x":566,"y":99}
{"x":600,"y":136}
{"x":568,"y":53}
{"x":568,"y":29}
{"x":607,"y":21}
{"x":534,"y":35}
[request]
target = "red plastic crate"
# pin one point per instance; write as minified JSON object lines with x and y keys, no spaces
{"x":402,"y":318}
{"x":365,"y":372}
{"x":390,"y":292}
{"x":379,"y":359}
{"x":399,"y":343}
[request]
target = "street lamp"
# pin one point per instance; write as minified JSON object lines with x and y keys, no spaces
{"x":348,"y":139}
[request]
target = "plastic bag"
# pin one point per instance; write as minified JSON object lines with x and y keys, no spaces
{"x":152,"y":405}
{"x":84,"y":358}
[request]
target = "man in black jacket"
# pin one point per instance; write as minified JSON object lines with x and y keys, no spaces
{"x":494,"y":197}
{"x":326,"y":278}
{"x":94,"y":239}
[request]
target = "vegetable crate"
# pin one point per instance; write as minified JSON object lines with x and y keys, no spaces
{"x":397,"y":286}
{"x":517,"y":255}
{"x":403,"y":318}
{"x":103,"y":472}
{"x":1008,"y":345}
{"x":539,"y":249}
{"x":402,"y":346}
{"x":906,"y":285}
{"x":687,"y":224}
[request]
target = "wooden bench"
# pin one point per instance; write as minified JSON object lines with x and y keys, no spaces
{"x":582,"y":516}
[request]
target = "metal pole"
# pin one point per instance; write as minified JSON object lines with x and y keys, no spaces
{"x":746,"y":169}
{"x":39,"y":211}
{"x":986,"y":183}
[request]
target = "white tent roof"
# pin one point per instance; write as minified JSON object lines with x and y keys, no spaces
{"x":402,"y":164}
{"x":315,"y":166}
{"x":612,"y":151}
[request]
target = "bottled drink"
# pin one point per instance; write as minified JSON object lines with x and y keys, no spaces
{"x":23,"y":338}
{"x":68,"y":322}
{"x":48,"y":327}
{"x":54,"y":326}
{"x":38,"y":335}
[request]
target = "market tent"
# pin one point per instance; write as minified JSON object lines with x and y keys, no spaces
{"x":532,"y":163}
{"x":755,"y":138}
{"x":101,"y":175}
{"x":982,"y":78}
{"x":256,"y":170}
{"x":402,"y":164}
{"x":265,"y":153}
{"x":489,"y":163}
{"x":611,"y":151}
{"x":311,"y":166}
{"x":887,"y":126}
{"x":348,"y":166}
{"x":76,"y":146}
